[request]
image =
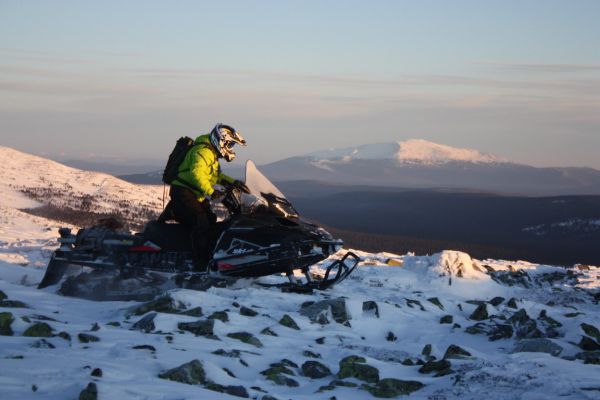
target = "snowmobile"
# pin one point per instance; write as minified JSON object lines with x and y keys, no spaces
{"x":261,"y":234}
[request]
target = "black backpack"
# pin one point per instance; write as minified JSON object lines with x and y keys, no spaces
{"x":183,"y":145}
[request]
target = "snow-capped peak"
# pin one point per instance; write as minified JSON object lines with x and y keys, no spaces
{"x":425,"y":152}
{"x":412,"y":151}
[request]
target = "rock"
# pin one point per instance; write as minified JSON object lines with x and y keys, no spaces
{"x":317,"y":312}
{"x":496,"y":301}
{"x":6,"y":320}
{"x":87,"y":338}
{"x":320,"y":340}
{"x":589,"y":357}
{"x":493,"y":330}
{"x":238,"y":391}
{"x":538,"y":346}
{"x":512,"y":303}
{"x":315,"y":370}
{"x":437,"y":302}
{"x":549,"y":320}
{"x":39,"y":329}
{"x":163,"y":304}
{"x":225,"y":353}
{"x":408,"y":362}
{"x":3,"y":295}
{"x":390,"y":388}
{"x":391,"y":337}
{"x":355,"y":367}
{"x":89,"y":393}
{"x":371,"y":308}
{"x":248,"y":312}
{"x":97,"y":372}
{"x":193,"y":312}
{"x":191,"y":373}
{"x":13,"y":304}
{"x":426,"y":350}
{"x":454,"y":351}
{"x":220,"y":315}
{"x":288,"y":321}
{"x":447,"y":319}
{"x":512,"y":278}
{"x":588,"y":344}
{"x":116,"y":324}
{"x":246,"y":338}
{"x":43,"y":344}
{"x":310,"y":354}
{"x":282,"y":380}
{"x":267,"y":331}
{"x":145,"y":324}
{"x":199,"y":328}
{"x":480,"y":313}
{"x":435,"y":366}
{"x":591,"y":330}
{"x":412,"y":303}
{"x":64,"y":335}
{"x":34,"y":388}
{"x":95,"y":327}
{"x":145,"y":347}
{"x":525,"y":327}
{"x":269,"y":397}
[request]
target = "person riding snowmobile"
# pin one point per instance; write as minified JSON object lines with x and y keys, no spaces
{"x":194,"y":186}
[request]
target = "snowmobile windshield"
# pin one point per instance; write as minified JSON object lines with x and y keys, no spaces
{"x":264,"y":193}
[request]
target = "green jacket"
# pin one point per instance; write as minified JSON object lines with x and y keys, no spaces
{"x":200,"y":169}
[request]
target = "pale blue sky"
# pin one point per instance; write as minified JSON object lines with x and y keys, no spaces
{"x":125,"y":79}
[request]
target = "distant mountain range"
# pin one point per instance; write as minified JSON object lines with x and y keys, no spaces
{"x":421,"y":164}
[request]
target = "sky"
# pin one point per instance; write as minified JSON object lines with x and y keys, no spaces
{"x":124,"y":79}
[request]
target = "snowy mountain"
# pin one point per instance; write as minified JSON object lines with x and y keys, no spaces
{"x":413,"y":151}
{"x":28,"y":181}
{"x":444,"y":326}
{"x":421,"y":164}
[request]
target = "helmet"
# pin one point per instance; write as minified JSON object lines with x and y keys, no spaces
{"x":223,"y":138}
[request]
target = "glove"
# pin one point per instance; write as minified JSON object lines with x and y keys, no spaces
{"x":241,"y":186}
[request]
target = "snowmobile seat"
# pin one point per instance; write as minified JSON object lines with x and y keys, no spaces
{"x":170,"y":237}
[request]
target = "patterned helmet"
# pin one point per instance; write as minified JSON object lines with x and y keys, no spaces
{"x":223,"y":138}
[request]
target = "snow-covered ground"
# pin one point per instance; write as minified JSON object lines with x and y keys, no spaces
{"x":443,"y":326}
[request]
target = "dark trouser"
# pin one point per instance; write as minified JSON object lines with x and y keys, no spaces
{"x":199,"y":218}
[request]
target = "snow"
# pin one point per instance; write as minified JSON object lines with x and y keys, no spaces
{"x":412,"y":151}
{"x":403,"y":286}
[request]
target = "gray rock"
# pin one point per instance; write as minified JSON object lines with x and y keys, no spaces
{"x":87,"y":338}
{"x":191,"y":373}
{"x":3,"y":295}
{"x":480,"y":313}
{"x":454,"y":351}
{"x":289,"y":322}
{"x":496,"y":301}
{"x":317,"y":312}
{"x":435,"y":366}
{"x":447,"y":319}
{"x":89,"y":393}
{"x":267,"y":331}
{"x":145,"y":324}
{"x":248,"y":312}
{"x":220,"y":315}
{"x":391,"y":388}
{"x":310,"y":354}
{"x":39,"y":329}
{"x":315,"y":370}
{"x":246,"y":338}
{"x":199,"y":328}
{"x":437,"y":302}
{"x":356,"y":367}
{"x":538,"y":346}
{"x":426,"y":350}
{"x":588,"y":344}
{"x":512,"y":303}
{"x":6,"y":320}
{"x":193,"y":312}
{"x":370,"y":308}
{"x":97,"y":372}
{"x":589,"y":357}
{"x":43,"y":344}
{"x":163,"y":304}
{"x":591,"y":330}
{"x":238,"y":391}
